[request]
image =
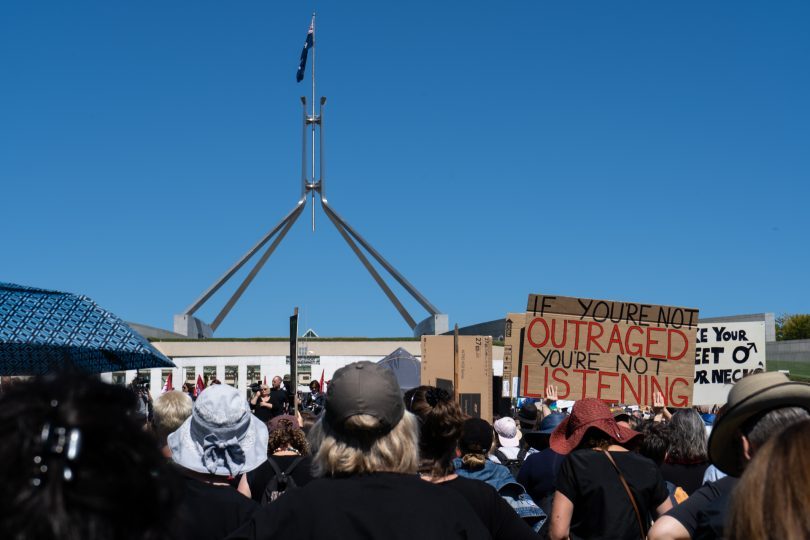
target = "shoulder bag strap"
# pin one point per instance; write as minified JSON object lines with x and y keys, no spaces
{"x":629,"y":493}
{"x":293,"y":465}
{"x":274,"y":465}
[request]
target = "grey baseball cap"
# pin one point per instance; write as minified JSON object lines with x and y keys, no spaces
{"x":364,"y":388}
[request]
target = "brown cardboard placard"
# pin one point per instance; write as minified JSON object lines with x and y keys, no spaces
{"x":474,"y":370}
{"x":616,"y":351}
{"x":511,"y":350}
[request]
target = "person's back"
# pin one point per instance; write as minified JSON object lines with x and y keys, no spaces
{"x":591,"y":500}
{"x":288,"y":465}
{"x":365,"y":456}
{"x":221,"y":440}
{"x":210,"y":511}
{"x":687,"y":459}
{"x":510,"y":451}
{"x":538,"y":475}
{"x":491,"y":508}
{"x":377,"y":505}
{"x":602,"y":508}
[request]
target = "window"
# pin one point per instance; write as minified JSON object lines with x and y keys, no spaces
{"x":232,"y":376}
{"x":209,"y":374}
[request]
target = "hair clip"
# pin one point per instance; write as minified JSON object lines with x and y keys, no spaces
{"x":57,"y":441}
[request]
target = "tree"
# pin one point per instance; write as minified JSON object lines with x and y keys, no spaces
{"x":793,"y":327}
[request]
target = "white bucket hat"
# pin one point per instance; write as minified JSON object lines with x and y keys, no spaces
{"x":221,"y":436}
{"x":508,"y":432}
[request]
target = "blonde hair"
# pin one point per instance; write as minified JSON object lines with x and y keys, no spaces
{"x":169,"y":411}
{"x":359,"y":448}
{"x":474,"y":461}
{"x":772,"y":497}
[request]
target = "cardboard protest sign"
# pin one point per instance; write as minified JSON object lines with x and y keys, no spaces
{"x":473,"y":370}
{"x":724,"y":354}
{"x":511,"y":349}
{"x":616,"y":351}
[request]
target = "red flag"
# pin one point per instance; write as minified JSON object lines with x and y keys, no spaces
{"x":200,"y":386}
{"x":167,"y":387}
{"x":320,"y":383}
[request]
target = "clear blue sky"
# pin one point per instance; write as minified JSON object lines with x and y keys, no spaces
{"x":630,"y":150}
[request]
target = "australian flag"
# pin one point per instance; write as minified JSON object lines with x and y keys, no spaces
{"x":308,"y":44}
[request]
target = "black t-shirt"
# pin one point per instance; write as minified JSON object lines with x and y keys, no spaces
{"x":602,"y":509}
{"x":688,"y":477}
{"x":210,"y":512}
{"x":380,"y":505}
{"x":278,"y":397}
{"x":703,"y":513}
{"x":491,"y":508}
{"x":259,"y":477}
{"x":263,"y":413}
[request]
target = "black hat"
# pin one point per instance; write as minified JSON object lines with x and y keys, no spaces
{"x":528,"y":414}
{"x":364,"y":388}
{"x":476,"y":435}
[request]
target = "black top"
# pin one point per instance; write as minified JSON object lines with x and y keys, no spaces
{"x":687,"y":477}
{"x":313,"y":402}
{"x":210,"y":512}
{"x":259,"y":477}
{"x":380,"y":505}
{"x":263,"y":413}
{"x":538,"y":472}
{"x":491,"y":509}
{"x":703,"y":514}
{"x":602,"y":508}
{"x":278,"y":397}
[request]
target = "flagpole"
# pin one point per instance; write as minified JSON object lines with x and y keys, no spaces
{"x":313,"y":120}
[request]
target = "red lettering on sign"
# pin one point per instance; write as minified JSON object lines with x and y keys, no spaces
{"x":626,"y":382}
{"x":616,"y":339}
{"x":593,"y":336}
{"x":681,"y":399}
{"x":633,"y":348}
{"x":669,"y":345}
{"x":567,"y":391}
{"x":554,"y":333}
{"x":585,"y":373}
{"x":529,"y":332}
{"x":526,"y":383}
{"x":602,"y":386}
{"x":651,"y":341}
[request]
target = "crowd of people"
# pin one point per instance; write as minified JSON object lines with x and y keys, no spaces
{"x":80,"y":459}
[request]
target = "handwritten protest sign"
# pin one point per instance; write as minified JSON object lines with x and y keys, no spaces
{"x":616,"y":351}
{"x":725,"y":353}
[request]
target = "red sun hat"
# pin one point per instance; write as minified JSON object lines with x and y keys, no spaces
{"x":588,"y":413}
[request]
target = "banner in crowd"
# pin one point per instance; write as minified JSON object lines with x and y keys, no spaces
{"x":616,"y":351}
{"x":725,"y":352}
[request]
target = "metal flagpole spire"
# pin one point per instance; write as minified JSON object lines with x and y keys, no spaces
{"x":436,"y":323}
{"x":313,"y":118}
